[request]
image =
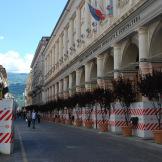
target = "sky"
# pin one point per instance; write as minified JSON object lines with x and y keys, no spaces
{"x":22,"y":25}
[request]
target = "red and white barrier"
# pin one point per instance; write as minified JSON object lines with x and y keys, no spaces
{"x":117,"y":119}
{"x":6,"y":126}
{"x":143,"y":110}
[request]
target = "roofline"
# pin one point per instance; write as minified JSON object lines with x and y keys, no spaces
{"x":58,"y":22}
{"x":60,"y":16}
{"x":38,"y":47}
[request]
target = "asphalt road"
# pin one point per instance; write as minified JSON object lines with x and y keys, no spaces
{"x":59,"y":143}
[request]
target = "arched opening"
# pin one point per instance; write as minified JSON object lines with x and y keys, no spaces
{"x":130,"y":62}
{"x":108,"y":66}
{"x":130,"y":57}
{"x":156,"y":43}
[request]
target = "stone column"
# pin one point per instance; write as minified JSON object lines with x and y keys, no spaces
{"x":51,"y":59}
{"x":47,"y":94}
{"x":65,"y":86}
{"x":117,"y":60}
{"x":60,"y":88}
{"x":100,"y":70}
{"x":54,"y":86}
{"x":43,"y":95}
{"x":144,"y":65}
{"x":49,"y":98}
{"x":70,"y":84}
{"x":78,"y":76}
{"x":56,"y":91}
{"x":53,"y":92}
{"x":87,"y":76}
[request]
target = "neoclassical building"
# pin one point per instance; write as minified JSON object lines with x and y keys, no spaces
{"x":84,"y":52}
{"x":37,"y":74}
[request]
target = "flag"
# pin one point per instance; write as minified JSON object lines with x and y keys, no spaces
{"x":96,"y":13}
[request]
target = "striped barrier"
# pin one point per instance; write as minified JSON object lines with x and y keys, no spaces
{"x":143,"y":110}
{"x":6,"y":137}
{"x":6,"y":115}
{"x":6,"y":126}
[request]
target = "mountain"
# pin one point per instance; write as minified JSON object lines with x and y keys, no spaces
{"x":17,"y":83}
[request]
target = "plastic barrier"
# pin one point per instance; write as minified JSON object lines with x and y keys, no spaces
{"x":6,"y":126}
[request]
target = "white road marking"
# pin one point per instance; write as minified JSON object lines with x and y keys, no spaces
{"x":24,"y":156}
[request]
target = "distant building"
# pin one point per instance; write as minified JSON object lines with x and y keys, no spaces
{"x":37,"y":73}
{"x":28,"y":90}
{"x":86,"y":49}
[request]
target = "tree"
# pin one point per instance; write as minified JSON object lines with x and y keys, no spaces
{"x":125,"y":93}
{"x":104,"y":99}
{"x":150,"y":86}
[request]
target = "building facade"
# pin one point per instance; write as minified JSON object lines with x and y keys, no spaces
{"x":84,"y":52}
{"x":88,"y":48}
{"x":37,"y":73}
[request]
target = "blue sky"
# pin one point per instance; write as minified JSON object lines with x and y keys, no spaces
{"x":22,"y":24}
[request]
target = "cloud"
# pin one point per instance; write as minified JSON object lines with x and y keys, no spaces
{"x":1,"y":37}
{"x":14,"y":62}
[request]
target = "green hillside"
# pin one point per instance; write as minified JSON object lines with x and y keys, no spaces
{"x":17,"y":83}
